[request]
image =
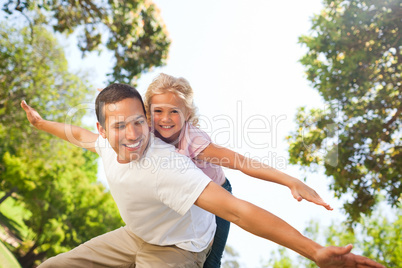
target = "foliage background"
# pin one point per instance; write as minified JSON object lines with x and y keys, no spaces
{"x":54,"y":182}
{"x":354,"y":62}
{"x":246,"y":57}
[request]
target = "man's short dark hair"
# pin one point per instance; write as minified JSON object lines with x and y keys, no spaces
{"x":112,"y":94}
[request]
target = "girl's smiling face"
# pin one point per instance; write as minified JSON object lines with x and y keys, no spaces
{"x":168,"y":116}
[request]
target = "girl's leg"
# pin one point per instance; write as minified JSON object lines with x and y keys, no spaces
{"x":221,"y":236}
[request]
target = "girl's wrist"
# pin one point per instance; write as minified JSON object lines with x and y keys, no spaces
{"x":292,"y":182}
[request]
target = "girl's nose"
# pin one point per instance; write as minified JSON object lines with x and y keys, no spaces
{"x":166,"y":117}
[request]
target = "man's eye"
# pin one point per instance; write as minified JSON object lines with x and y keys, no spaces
{"x":141,"y":122}
{"x":120,"y":126}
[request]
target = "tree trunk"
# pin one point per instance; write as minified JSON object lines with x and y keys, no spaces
{"x":7,"y":195}
{"x":27,"y":261}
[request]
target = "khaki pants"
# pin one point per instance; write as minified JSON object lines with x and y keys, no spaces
{"x":121,"y":248}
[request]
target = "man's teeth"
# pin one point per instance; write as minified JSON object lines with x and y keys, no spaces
{"x":166,"y":126}
{"x":133,"y":145}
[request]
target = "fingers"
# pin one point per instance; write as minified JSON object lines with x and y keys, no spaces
{"x":297,"y":197}
{"x":341,"y":251}
{"x":364,"y":262}
{"x":28,"y":109}
{"x":24,"y":105}
{"x":347,"y":248}
{"x":314,"y":198}
{"x":319,"y":201}
{"x":322,"y":203}
{"x":327,"y":206}
{"x":32,"y":115}
{"x":342,"y":257}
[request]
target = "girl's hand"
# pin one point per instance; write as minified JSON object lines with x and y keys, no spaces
{"x":301,"y":191}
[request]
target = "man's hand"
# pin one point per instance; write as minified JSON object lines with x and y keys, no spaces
{"x":73,"y":134}
{"x":336,"y":257}
{"x":33,"y":116}
{"x":301,"y":191}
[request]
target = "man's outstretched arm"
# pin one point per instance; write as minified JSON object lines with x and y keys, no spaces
{"x":266,"y":225}
{"x":73,"y":134}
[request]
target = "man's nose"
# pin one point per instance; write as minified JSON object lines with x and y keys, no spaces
{"x":132,"y":132}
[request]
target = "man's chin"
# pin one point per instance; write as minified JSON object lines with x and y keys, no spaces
{"x":127,"y":158}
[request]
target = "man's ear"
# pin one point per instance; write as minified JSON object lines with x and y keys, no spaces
{"x":101,"y":130}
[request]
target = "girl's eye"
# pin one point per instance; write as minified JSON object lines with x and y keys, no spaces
{"x":157,"y":111}
{"x":175,"y":111}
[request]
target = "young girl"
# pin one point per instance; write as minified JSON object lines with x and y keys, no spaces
{"x":172,"y":115}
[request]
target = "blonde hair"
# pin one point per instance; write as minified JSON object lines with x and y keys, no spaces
{"x":164,"y":83}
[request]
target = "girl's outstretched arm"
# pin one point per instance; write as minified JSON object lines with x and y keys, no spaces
{"x":73,"y":134}
{"x":227,"y":158}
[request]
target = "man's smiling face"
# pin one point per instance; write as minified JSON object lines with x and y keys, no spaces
{"x":126,"y":129}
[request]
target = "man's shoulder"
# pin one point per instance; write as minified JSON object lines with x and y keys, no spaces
{"x":159,"y":147}
{"x":103,"y":147}
{"x":165,"y":157}
{"x":161,"y":151}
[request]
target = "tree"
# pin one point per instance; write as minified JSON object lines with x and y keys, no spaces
{"x":67,"y":207}
{"x":229,"y":259}
{"x":132,"y":29}
{"x":52,"y":179}
{"x":354,"y":61}
{"x":33,"y":68}
{"x":377,"y":237}
{"x":279,"y":259}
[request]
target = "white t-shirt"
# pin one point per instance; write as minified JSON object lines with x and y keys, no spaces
{"x":156,"y":194}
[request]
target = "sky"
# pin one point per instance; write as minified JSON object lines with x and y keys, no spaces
{"x":241,"y":59}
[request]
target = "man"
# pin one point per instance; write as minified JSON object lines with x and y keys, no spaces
{"x":163,"y":198}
